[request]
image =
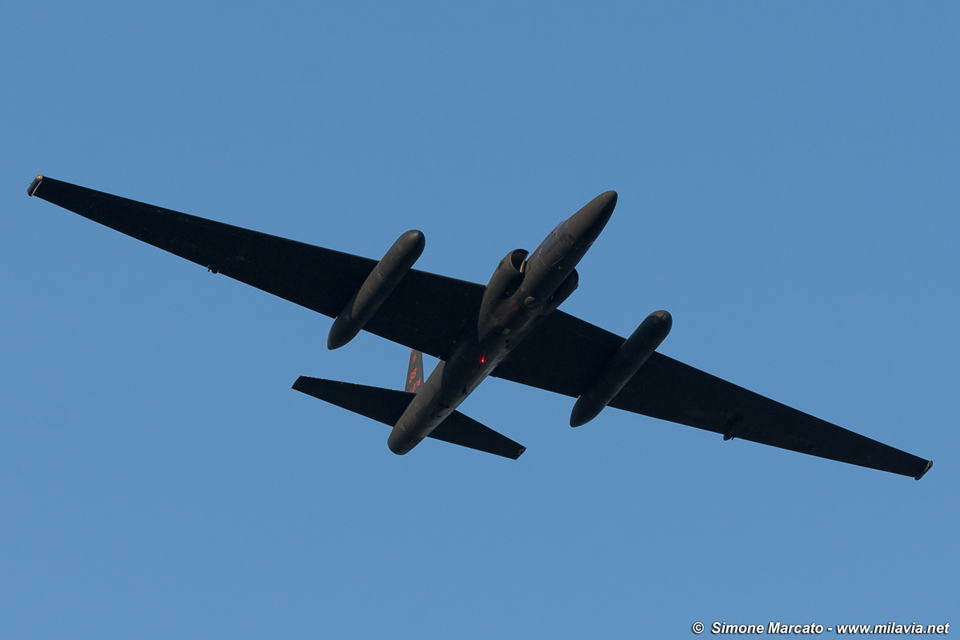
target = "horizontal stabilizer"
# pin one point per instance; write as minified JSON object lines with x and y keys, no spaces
{"x":387,"y":405}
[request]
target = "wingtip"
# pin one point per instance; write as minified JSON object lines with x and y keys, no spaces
{"x":925,"y":469}
{"x":33,"y":185}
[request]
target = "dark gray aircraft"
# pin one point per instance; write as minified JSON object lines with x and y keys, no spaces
{"x":510,"y":329}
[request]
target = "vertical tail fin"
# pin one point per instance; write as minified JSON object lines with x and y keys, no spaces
{"x":414,"y":372}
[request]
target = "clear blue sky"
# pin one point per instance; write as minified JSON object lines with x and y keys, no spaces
{"x":789,"y":180}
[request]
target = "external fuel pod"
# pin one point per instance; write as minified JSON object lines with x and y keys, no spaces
{"x":379,"y":284}
{"x":627,"y":361}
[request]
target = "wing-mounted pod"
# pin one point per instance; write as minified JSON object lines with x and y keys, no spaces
{"x":632,"y":354}
{"x":379,"y":284}
{"x":504,"y":283}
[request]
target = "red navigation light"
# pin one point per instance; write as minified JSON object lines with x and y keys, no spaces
{"x":483,"y":358}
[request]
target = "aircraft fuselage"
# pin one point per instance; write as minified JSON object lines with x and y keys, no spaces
{"x":543,"y":281}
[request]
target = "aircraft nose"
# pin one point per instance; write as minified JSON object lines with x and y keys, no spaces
{"x":587,"y":223}
{"x":606,"y":201}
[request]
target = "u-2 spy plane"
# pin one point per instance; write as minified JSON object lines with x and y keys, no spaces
{"x":510,"y":328}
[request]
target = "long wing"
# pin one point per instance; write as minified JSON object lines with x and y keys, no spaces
{"x":566,"y":354}
{"x":426,"y":312}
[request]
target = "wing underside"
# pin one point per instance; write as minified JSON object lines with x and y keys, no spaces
{"x":426,"y":311}
{"x":566,"y":354}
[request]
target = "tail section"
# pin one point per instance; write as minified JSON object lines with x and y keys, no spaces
{"x":387,"y":405}
{"x":414,"y":371}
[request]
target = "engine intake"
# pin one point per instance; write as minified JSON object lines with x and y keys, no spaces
{"x":505,"y":281}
